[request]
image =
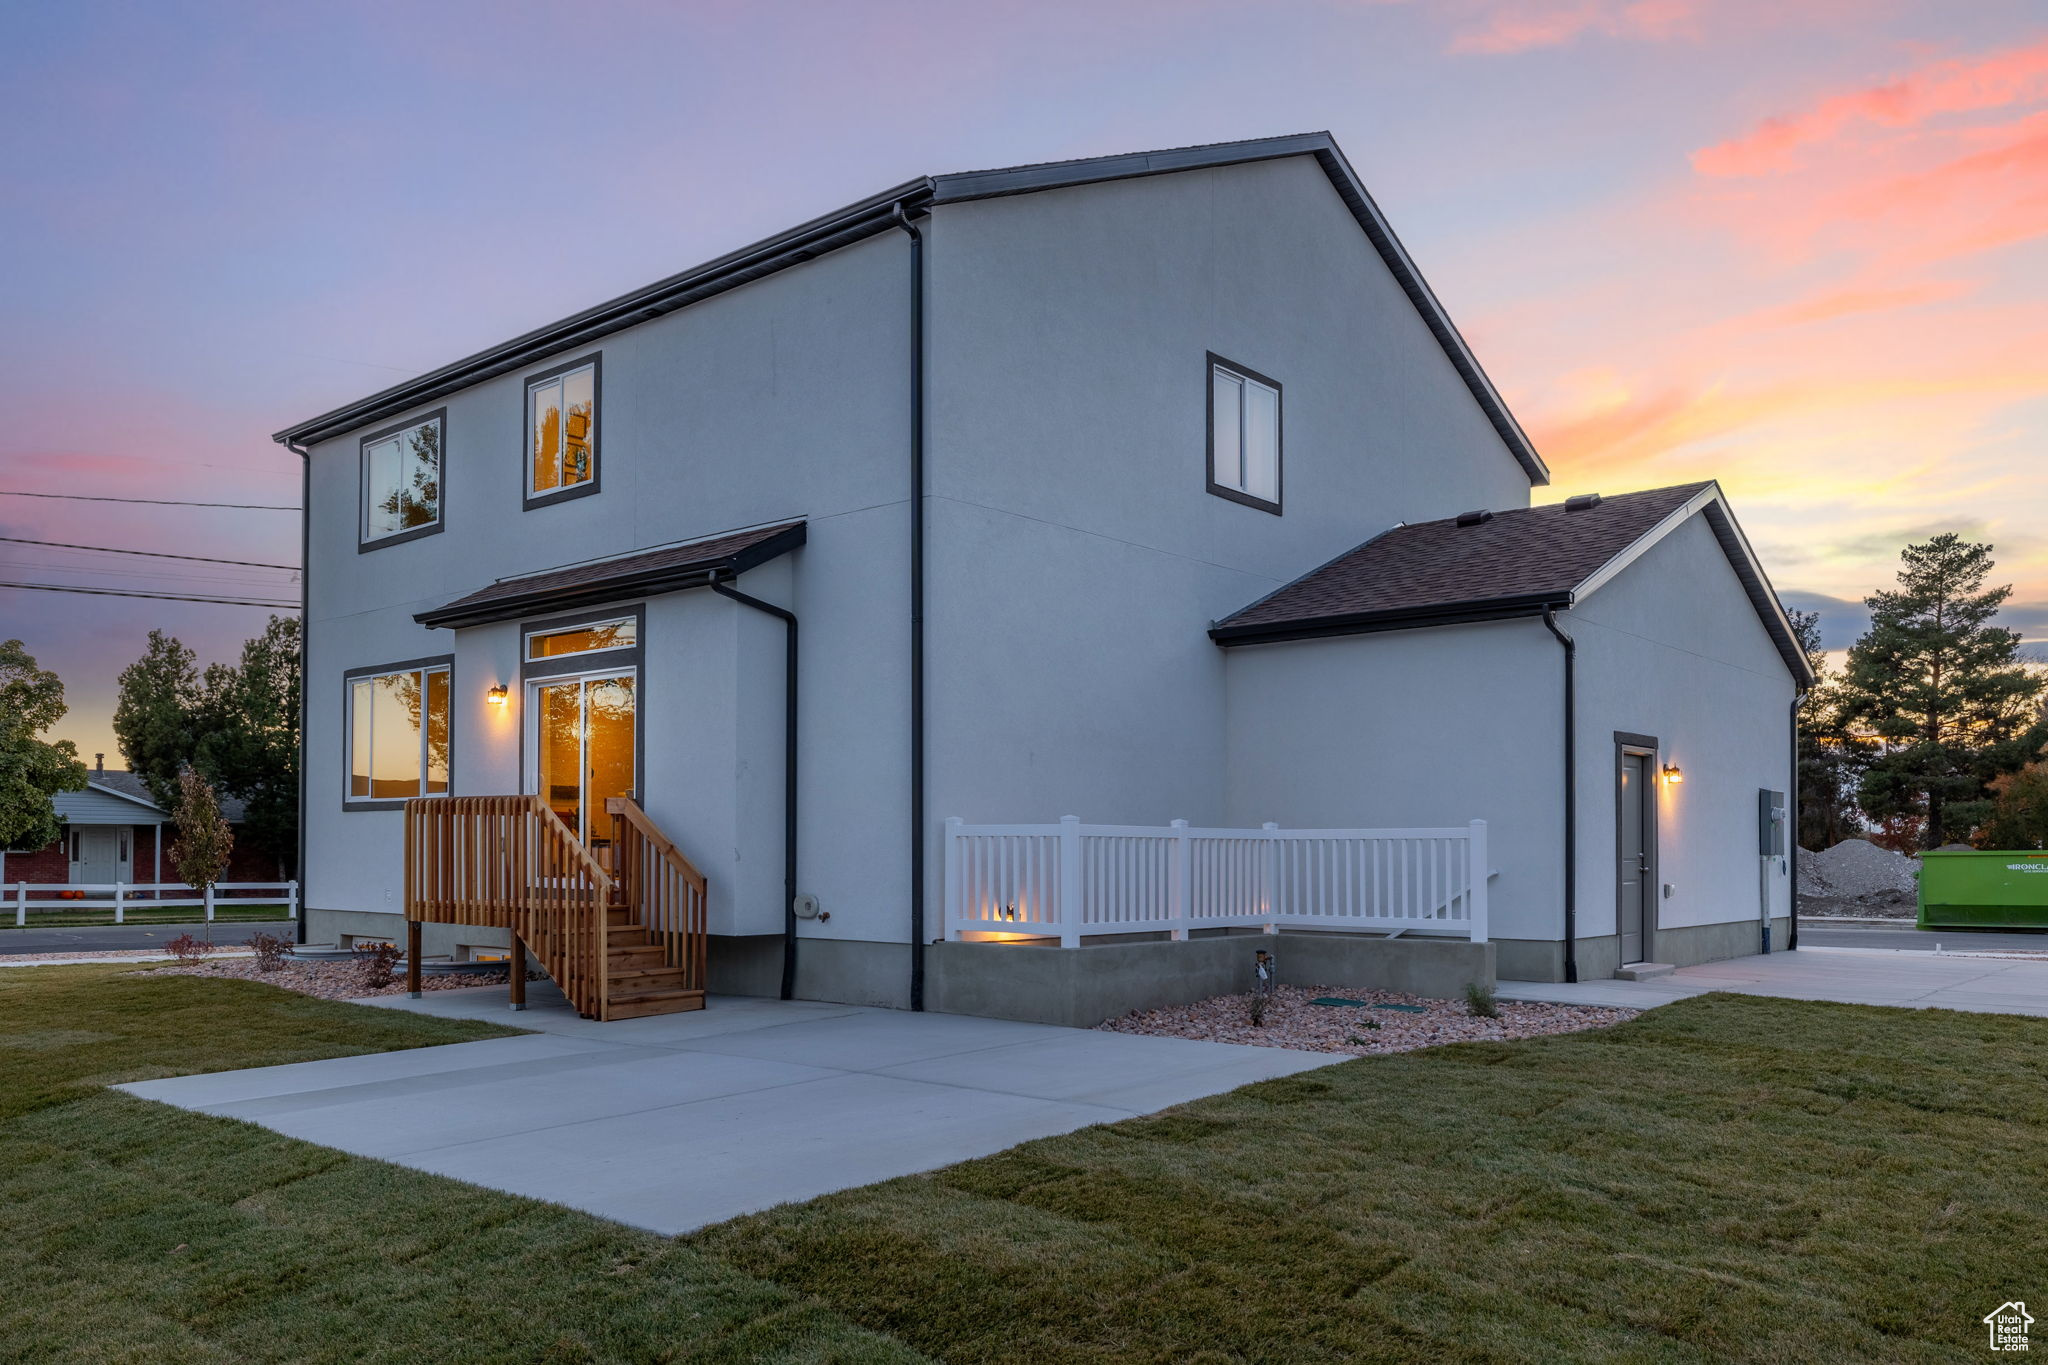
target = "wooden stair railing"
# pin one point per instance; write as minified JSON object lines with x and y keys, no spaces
{"x":619,"y":944}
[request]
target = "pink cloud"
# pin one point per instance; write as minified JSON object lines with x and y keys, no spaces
{"x":1520,"y":27}
{"x":2014,"y":77}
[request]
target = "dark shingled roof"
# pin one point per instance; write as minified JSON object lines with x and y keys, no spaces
{"x":1508,"y":564}
{"x":606,"y":580}
{"x":1433,"y":567}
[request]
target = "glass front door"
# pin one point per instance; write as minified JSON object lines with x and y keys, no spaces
{"x":584,"y":750}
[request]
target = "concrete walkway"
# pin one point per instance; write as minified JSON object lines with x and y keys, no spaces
{"x":676,"y":1121}
{"x":1854,"y":976}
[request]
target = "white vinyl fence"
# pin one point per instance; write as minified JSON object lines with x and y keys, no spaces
{"x":145,"y":895}
{"x":1070,"y":879}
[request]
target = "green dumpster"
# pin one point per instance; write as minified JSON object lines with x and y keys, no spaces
{"x":1978,"y":890}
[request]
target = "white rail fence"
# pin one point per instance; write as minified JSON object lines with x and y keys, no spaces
{"x":1069,"y":880}
{"x":121,"y":896}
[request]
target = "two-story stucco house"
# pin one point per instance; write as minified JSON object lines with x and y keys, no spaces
{"x":788,"y":605}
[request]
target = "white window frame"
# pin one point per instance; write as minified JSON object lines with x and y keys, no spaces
{"x":424,"y":668}
{"x":530,"y":741}
{"x":438,"y":419}
{"x":1236,"y":482}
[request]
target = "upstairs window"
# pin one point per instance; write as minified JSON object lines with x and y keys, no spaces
{"x":402,"y":481}
{"x":561,"y":432}
{"x":1244,"y":435}
{"x":398,"y":733}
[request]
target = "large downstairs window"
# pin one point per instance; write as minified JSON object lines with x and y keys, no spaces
{"x":398,"y":732}
{"x":1244,"y":435}
{"x":402,"y":481}
{"x":561,"y":432}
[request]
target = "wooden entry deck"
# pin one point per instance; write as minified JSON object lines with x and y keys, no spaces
{"x":621,"y":932}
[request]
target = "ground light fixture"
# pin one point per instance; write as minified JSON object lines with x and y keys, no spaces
{"x":498,"y":695}
{"x":1673,"y":774}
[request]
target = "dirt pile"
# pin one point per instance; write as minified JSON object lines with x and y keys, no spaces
{"x":1857,"y":877}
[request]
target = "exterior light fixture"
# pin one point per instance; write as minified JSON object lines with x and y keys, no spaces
{"x":1673,"y":774}
{"x":498,"y":695}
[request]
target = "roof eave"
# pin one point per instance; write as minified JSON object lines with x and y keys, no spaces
{"x":854,"y":223}
{"x":1407,"y":618}
{"x":651,"y":583}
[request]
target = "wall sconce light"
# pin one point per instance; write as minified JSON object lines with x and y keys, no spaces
{"x":498,"y":695}
{"x":1673,"y":774}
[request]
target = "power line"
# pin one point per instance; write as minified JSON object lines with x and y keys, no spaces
{"x":150,"y":574}
{"x":153,"y":502}
{"x":158,"y":596}
{"x":153,"y":554}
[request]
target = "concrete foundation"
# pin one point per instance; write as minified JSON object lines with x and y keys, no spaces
{"x":436,"y":940}
{"x":1081,"y":987}
{"x":1599,"y":955}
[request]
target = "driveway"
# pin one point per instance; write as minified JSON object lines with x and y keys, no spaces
{"x":1823,"y":933}
{"x":676,"y":1121}
{"x":1854,"y":976}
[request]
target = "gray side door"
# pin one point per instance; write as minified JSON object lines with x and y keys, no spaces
{"x":99,"y":854}
{"x":1633,"y":853}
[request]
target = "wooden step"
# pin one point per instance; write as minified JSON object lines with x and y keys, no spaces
{"x":659,"y":974}
{"x":655,"y":1002}
{"x":636,"y":955}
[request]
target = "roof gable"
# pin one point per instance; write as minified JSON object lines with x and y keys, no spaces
{"x":1512,"y":563}
{"x":880,"y":213}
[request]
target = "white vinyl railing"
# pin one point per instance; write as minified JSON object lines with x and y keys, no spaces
{"x":1069,"y":880}
{"x":122,"y":895}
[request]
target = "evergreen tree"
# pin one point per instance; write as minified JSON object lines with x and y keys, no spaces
{"x":32,"y":770}
{"x":1827,"y":758}
{"x":1942,"y":691}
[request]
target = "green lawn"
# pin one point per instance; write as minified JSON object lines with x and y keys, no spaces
{"x":1723,"y":1179}
{"x":77,"y":913}
{"x":133,"y":1232}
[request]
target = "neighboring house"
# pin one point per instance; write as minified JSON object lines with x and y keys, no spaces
{"x":114,"y":832}
{"x":1045,"y":460}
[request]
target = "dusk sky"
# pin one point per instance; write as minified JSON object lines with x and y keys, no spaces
{"x":1797,"y":245}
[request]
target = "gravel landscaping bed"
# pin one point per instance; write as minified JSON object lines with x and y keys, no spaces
{"x":1293,"y":1021}
{"x":333,"y":980}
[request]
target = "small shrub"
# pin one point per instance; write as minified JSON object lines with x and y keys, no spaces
{"x":1479,"y":1000}
{"x":1257,"y":1005}
{"x":270,"y":950}
{"x":380,"y":962}
{"x":189,"y":951}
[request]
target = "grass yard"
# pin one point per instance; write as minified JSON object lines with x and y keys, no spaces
{"x":134,"y":1232}
{"x":1727,"y":1178}
{"x":58,"y":915}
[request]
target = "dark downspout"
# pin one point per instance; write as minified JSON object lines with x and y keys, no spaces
{"x":1571,"y":795}
{"x":305,"y":455}
{"x":1792,"y":835}
{"x":916,"y":608}
{"x":723,"y":587}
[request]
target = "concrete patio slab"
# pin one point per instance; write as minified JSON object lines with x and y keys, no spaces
{"x":676,"y":1121}
{"x":1849,"y":976}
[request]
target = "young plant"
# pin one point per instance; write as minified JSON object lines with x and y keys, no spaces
{"x":1480,"y":1001}
{"x":1256,"y":1004}
{"x":189,"y":951}
{"x":270,"y":950}
{"x":380,"y":963}
{"x":205,"y":841}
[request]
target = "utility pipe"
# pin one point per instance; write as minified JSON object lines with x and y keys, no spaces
{"x":917,"y":833}
{"x":1571,"y":794}
{"x":305,"y":455}
{"x":723,"y":587}
{"x":1792,"y":832}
